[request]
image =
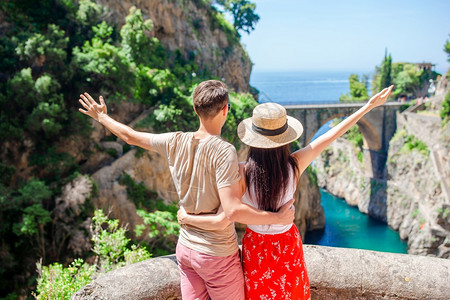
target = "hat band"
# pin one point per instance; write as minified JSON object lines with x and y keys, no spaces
{"x":270,"y":132}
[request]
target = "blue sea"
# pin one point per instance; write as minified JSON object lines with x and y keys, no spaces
{"x":301,"y":87}
{"x":345,"y":226}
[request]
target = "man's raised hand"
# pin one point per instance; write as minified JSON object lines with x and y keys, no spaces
{"x":92,"y":108}
{"x":381,"y":97}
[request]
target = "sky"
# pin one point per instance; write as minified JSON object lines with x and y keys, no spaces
{"x":347,"y":35}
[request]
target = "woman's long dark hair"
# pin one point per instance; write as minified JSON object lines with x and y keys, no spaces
{"x":267,"y":171}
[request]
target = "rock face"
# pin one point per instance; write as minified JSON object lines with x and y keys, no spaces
{"x":342,"y":174}
{"x":418,"y":205}
{"x":191,"y":27}
{"x":334,"y":273}
{"x":309,"y":214}
{"x":414,"y":198}
{"x":149,"y":168}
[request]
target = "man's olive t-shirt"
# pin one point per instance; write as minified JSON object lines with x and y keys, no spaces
{"x":199,"y":168}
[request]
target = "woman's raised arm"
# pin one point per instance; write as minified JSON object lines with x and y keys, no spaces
{"x":306,"y":155}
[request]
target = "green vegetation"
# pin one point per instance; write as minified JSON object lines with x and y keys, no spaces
{"x":447,"y":50}
{"x":385,"y":72}
{"x":406,"y":105}
{"x":408,"y":78}
{"x":241,"y":108}
{"x":410,"y":143}
{"x":312,"y":175}
{"x":358,"y":89}
{"x":50,"y":51}
{"x":112,"y":250}
{"x":160,"y":219}
{"x":414,"y":144}
{"x":445,"y":111}
{"x":443,"y":213}
{"x":415,"y":213}
{"x":138,"y":193}
{"x":355,"y":137}
{"x":243,"y":12}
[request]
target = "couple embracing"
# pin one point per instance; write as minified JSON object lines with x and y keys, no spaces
{"x":215,"y":191}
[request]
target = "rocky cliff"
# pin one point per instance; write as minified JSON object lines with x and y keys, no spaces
{"x":414,"y":198}
{"x":418,"y":205}
{"x":197,"y":31}
{"x":342,"y":174}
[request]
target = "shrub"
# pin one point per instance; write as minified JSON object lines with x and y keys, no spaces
{"x":414,"y":144}
{"x":57,"y":282}
{"x":112,"y":251}
{"x":445,"y":111}
{"x":312,"y":175}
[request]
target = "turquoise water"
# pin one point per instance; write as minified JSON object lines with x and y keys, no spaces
{"x":347,"y":227}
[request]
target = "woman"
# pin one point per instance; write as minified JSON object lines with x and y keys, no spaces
{"x":272,"y":255}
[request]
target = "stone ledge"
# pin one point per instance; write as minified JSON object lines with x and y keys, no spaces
{"x":335,"y":273}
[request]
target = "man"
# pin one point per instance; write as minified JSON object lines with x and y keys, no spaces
{"x":205,"y":171}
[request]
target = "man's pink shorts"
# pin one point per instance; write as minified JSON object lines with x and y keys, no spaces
{"x":205,"y":276}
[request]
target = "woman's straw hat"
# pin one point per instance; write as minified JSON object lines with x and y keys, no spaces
{"x":269,"y":127}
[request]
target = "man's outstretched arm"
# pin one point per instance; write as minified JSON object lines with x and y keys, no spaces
{"x":99,"y":113}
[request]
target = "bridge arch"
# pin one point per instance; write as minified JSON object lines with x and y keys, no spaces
{"x":371,"y":139}
{"x":377,"y":128}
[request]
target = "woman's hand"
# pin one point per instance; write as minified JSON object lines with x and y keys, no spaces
{"x":181,"y":215}
{"x":93,"y":109}
{"x":381,"y":97}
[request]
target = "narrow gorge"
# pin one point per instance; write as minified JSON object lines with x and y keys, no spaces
{"x":413,"y":197}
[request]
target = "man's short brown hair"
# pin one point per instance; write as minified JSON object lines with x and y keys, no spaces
{"x":209,"y":98}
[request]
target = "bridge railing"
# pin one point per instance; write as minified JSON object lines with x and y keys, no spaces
{"x":336,"y":105}
{"x":284,"y":103}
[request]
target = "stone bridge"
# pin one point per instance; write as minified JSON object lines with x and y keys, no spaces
{"x":377,"y":128}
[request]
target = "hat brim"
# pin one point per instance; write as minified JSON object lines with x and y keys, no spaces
{"x":257,"y":140}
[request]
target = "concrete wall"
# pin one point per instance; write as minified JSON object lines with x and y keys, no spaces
{"x":335,"y":273}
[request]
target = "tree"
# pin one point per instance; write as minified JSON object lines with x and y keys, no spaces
{"x":358,"y":89}
{"x":385,"y":72}
{"x":243,"y":12}
{"x":447,"y":49}
{"x":410,"y":80}
{"x":445,"y":111}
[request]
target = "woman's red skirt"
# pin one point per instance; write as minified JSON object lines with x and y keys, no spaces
{"x":274,"y":266}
